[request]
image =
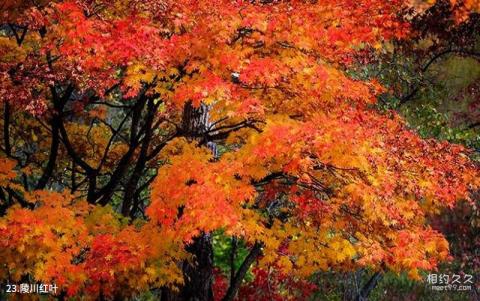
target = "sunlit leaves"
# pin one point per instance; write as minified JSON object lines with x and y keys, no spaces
{"x":87,"y":250}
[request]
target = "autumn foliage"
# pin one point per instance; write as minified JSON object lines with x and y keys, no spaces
{"x":133,"y":130}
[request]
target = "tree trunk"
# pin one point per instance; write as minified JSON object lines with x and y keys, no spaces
{"x":236,"y":281}
{"x":198,"y":273}
{"x":368,"y":287}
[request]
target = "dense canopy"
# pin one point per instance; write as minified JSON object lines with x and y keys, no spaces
{"x":135,"y":130}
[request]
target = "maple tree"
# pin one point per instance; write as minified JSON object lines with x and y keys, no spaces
{"x":134,"y":130}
